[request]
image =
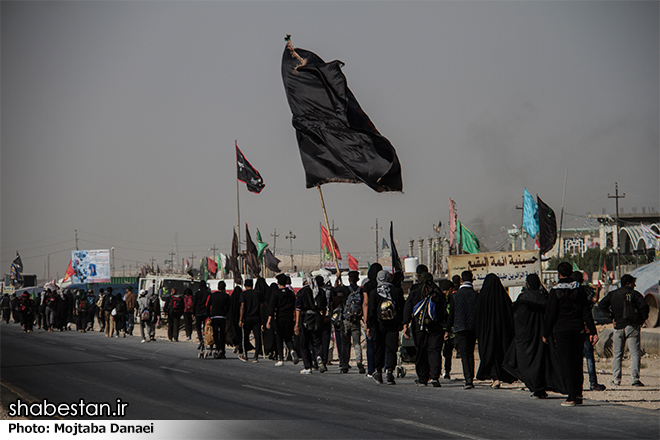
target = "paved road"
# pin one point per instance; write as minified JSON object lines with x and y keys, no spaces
{"x":165,"y":381}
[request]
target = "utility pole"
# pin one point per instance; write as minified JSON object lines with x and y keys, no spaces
{"x":333,"y":229}
{"x":376,"y":229}
{"x":618,"y":241}
{"x":172,"y":254}
{"x":213,"y":249}
{"x":176,"y":251}
{"x":76,"y":231}
{"x":523,"y":244}
{"x":153,"y":260}
{"x":123,"y":269}
{"x":274,"y":235}
{"x":291,"y":237}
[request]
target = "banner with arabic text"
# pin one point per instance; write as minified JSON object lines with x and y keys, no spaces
{"x":511,"y":267}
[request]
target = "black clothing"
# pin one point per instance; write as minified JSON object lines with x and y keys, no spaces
{"x":219,"y":304}
{"x":493,"y":318}
{"x":429,"y":337}
{"x":568,"y":309}
{"x":252,"y":300}
{"x":613,"y":303}
{"x":281,"y":308}
{"x":567,"y":315}
{"x":461,"y":309}
{"x":465,"y":341}
{"x":385,"y":333}
{"x":528,"y":358}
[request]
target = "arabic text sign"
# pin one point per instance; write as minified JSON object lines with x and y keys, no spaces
{"x":91,"y":266}
{"x":511,"y":267}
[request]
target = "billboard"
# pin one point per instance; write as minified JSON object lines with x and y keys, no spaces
{"x":90,"y":266}
{"x":511,"y":267}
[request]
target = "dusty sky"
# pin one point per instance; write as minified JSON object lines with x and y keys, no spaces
{"x":119,"y":119}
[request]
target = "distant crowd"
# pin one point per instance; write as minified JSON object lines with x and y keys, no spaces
{"x":540,"y":339}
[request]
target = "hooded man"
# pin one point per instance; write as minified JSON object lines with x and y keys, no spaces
{"x":310,"y":305}
{"x":384,"y":317}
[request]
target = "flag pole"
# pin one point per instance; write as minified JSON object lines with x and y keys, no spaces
{"x":327,"y":226}
{"x":561,"y":220}
{"x":238,"y":205}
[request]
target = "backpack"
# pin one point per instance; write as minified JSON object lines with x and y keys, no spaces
{"x":121,"y":307}
{"x":176,"y":305}
{"x":386,"y":309}
{"x":146,"y":315}
{"x":336,"y":317}
{"x":187,"y":304}
{"x":630,"y":312}
{"x":99,"y":301}
{"x":425,"y":312}
{"x":353,"y":308}
{"x":25,"y":305}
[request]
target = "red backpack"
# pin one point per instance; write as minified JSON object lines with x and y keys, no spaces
{"x":187,"y":304}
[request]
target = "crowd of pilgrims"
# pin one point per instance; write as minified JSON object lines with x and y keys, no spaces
{"x":277,"y":323}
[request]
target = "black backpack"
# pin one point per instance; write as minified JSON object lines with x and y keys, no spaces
{"x":353,"y":308}
{"x":176,"y":305}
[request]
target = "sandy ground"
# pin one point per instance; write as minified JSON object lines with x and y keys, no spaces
{"x":643,"y":397}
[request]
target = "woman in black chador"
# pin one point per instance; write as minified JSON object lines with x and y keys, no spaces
{"x":528,"y":358}
{"x":493,"y":318}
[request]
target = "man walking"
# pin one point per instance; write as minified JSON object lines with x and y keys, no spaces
{"x":250,"y":319}
{"x":629,"y":310}
{"x":218,"y":309}
{"x":131,"y":299}
{"x":567,"y":316}
{"x":461,"y":324}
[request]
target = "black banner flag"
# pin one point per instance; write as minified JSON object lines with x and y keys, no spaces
{"x":246,"y":173}
{"x":337,"y":140}
{"x":547,"y":226}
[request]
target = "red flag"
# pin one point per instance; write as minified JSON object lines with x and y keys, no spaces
{"x":352,"y":262}
{"x":69,"y":272}
{"x":212,"y":266}
{"x":325,"y":241}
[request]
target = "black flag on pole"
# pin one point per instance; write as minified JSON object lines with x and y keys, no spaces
{"x":547,"y":226}
{"x":396,"y":261}
{"x":337,"y":140}
{"x":251,"y":253}
{"x":246,"y":173}
{"x":232,"y":261}
{"x":271,"y":261}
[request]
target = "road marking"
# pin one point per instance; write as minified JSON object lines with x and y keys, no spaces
{"x":269,"y":391}
{"x":51,"y":342}
{"x":435,"y":428}
{"x":117,"y":357}
{"x":79,"y":348}
{"x":174,"y":369}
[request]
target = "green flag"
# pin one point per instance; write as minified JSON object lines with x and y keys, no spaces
{"x":575,"y":267}
{"x":468,"y":241}
{"x":261,"y":246}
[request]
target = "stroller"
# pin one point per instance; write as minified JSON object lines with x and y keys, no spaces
{"x":406,"y":353}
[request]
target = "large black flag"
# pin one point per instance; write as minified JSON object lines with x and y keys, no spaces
{"x":337,"y":140}
{"x":251,"y":254}
{"x":246,"y":173}
{"x":271,"y":261}
{"x":547,"y":226}
{"x":396,"y":261}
